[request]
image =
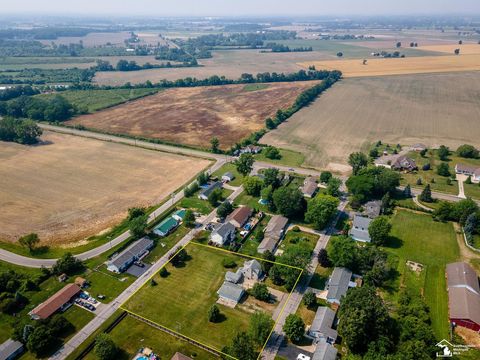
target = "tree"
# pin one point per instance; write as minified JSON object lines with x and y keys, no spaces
{"x":399,"y":44}
{"x":339,"y":54}
{"x":321,"y":210}
{"x":202,"y":178}
{"x":260,"y":292}
{"x":224,"y":209}
{"x":41,"y":340}
{"x":29,"y":241}
{"x":443,"y":152}
{"x":253,"y":185}
{"x":379,"y":230}
{"x":215,"y":196}
{"x":467,"y":151}
{"x":267,"y":265}
{"x":189,"y":219}
{"x":105,"y":348}
{"x":333,"y":187}
{"x":163,"y":272}
{"x":138,"y":226}
{"x":213,"y":314}
{"x":325,"y":177}
{"x":462,"y":209}
{"x":289,"y":201}
{"x":270,"y":124}
{"x":373,"y":153}
{"x":443,"y":169}
{"x":407,"y":192}
{"x":135,"y":212}
{"x":260,"y":327}
{"x":372,"y":182}
{"x":244,"y":164}
{"x":273,"y":153}
{"x":456,"y":51}
{"x":309,"y":299}
{"x":215,"y":143}
{"x":343,"y":252}
{"x":323,"y":258}
{"x":357,"y":161}
{"x":242,"y":347}
{"x":68,"y":264}
{"x":267,"y":195}
{"x":270,"y":177}
{"x":426,"y":195}
{"x":294,"y":327}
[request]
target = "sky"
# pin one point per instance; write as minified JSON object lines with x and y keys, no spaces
{"x":240,"y":7}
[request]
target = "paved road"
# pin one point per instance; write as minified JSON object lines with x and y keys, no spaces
{"x":437,"y":195}
{"x":295,"y":299}
{"x":109,"y":309}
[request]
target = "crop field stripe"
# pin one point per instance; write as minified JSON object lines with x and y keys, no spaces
{"x":230,"y":253}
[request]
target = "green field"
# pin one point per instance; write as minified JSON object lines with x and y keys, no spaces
{"x":289,"y":158}
{"x":418,"y":238}
{"x":255,"y":87}
{"x":106,"y":283}
{"x":229,"y":167}
{"x":472,"y":190}
{"x":301,"y":238}
{"x":250,"y":245}
{"x":94,"y":100}
{"x":182,"y":299}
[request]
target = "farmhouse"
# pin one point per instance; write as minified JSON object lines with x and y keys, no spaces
{"x":240,"y":216}
{"x":309,"y":187}
{"x":132,"y":253}
{"x":59,"y":301}
{"x":472,"y":171}
{"x":324,"y":351}
{"x":230,"y":293}
{"x":359,"y":230}
{"x":372,"y":209}
{"x":397,"y":162}
{"x":252,"y":270}
{"x":227,"y":177}
{"x":10,"y":349}
{"x":223,"y":234}
{"x":322,"y":325}
{"x":205,"y":193}
{"x":463,"y":295}
{"x":274,"y":232}
{"x":338,"y":284}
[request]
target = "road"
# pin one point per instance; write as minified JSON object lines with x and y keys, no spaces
{"x":110,"y":308}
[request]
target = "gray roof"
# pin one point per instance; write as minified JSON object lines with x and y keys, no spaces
{"x":323,"y":321}
{"x":268,"y":243}
{"x":324,"y":351}
{"x":373,"y":208}
{"x":253,"y":264}
{"x":229,"y":175}
{"x":275,"y":226}
{"x":136,"y":249}
{"x":224,"y":229}
{"x":9,"y":347}
{"x":461,"y":274}
{"x":359,"y":230}
{"x":215,"y":185}
{"x":233,"y":277}
{"x":338,"y":283}
{"x":231,"y":291}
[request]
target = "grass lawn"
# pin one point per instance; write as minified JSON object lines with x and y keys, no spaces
{"x":201,"y":206}
{"x":472,"y":190}
{"x":289,"y":158}
{"x":320,"y":277}
{"x":94,"y":100}
{"x":229,"y":167}
{"x":255,"y":87}
{"x":301,"y":238}
{"x":251,"y":201}
{"x":182,"y":299}
{"x":418,"y":238}
{"x":108,"y":284}
{"x":251,"y":243}
{"x":130,"y":335}
{"x":166,"y":243}
{"x":78,"y":317}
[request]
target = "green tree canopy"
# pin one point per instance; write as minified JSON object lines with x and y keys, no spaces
{"x":379,"y":230}
{"x":357,"y":161}
{"x":253,"y":185}
{"x":105,"y":348}
{"x":289,"y":201}
{"x":244,"y":164}
{"x":294,"y":327}
{"x":321,"y":210}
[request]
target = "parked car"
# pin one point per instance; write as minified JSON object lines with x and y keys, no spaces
{"x":101,"y":297}
{"x":303,"y":357}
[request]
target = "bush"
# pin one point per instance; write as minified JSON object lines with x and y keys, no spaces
{"x":296,"y":229}
{"x":229,"y":263}
{"x":213,"y":314}
{"x":272,"y":153}
{"x":294,"y":327}
{"x":105,"y":348}
{"x":467,"y":151}
{"x":443,"y":169}
{"x":325,"y":177}
{"x":163,"y":272}
{"x":426,"y":167}
{"x":309,"y":299}
{"x":260,"y":292}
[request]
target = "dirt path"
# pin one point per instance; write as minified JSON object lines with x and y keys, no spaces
{"x":465,"y":252}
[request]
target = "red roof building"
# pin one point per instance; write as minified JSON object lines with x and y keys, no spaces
{"x":55,"y":302}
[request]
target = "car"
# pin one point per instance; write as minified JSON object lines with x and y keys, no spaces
{"x":293,"y":170}
{"x":89,"y":307}
{"x":83,"y":296}
{"x":303,"y":357}
{"x":101,"y":297}
{"x":139,"y":264}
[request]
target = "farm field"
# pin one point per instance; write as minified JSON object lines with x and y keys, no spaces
{"x":81,"y":186}
{"x":398,"y":109}
{"x":92,"y":39}
{"x":400,"y":66}
{"x":193,"y":116}
{"x":466,"y":49}
{"x":186,"y":295}
{"x":418,"y":238}
{"x":94,"y":100}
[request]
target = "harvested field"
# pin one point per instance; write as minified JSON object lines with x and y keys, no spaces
{"x":192,"y":116}
{"x":400,"y":66}
{"x":229,"y":63}
{"x":93,"y":39}
{"x":71,"y":187}
{"x":430,"y":108}
{"x":465,"y":49}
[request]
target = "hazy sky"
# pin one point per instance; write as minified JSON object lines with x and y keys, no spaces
{"x":240,"y":7}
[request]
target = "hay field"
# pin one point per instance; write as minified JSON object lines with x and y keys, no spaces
{"x":400,"y":66}
{"x":73,"y":187}
{"x":92,"y":39}
{"x":229,"y":63}
{"x":433,"y":109}
{"x":465,"y":49}
{"x":192,"y":116}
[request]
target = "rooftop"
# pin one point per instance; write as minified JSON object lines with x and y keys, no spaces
{"x":338,"y":283}
{"x":9,"y":347}
{"x":276,"y":224}
{"x":464,"y":304}
{"x":324,"y":351}
{"x":224,"y":229}
{"x":461,"y":274}
{"x":135,"y":249}
{"x":56,"y":301}
{"x":240,"y":215}
{"x":231,"y":291}
{"x":323,"y":322}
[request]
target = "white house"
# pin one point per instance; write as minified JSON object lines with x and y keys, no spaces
{"x":223,"y":234}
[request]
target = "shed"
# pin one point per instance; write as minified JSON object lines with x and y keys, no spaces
{"x":228,"y":176}
{"x":80,"y":281}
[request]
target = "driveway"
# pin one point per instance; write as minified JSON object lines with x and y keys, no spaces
{"x":461,"y":178}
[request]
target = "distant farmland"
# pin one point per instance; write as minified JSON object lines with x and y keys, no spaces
{"x":192,"y":116}
{"x":71,"y":187}
{"x":431,"y":108}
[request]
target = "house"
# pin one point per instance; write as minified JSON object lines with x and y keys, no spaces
{"x":419,"y":147}
{"x":274,"y":232}
{"x":338,"y":284}
{"x":472,"y":171}
{"x":205,"y":193}
{"x":324,"y":351}
{"x":234,"y":277}
{"x":166,"y":226}
{"x":321,"y":327}
{"x":309,"y":187}
{"x":373,"y":209}
{"x":230,"y":293}
{"x":81,"y":282}
{"x":223,"y":234}
{"x":180,"y":356}
{"x":359,"y":230}
{"x":59,"y":301}
{"x":397,"y":162}
{"x":179,"y":215}
{"x":11,"y":349}
{"x":227,"y":177}
{"x":463,"y":295}
{"x":240,"y":216}
{"x":252,"y":270}
{"x":251,"y":149}
{"x":132,"y":253}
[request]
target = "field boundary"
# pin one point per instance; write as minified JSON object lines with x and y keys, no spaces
{"x":195,"y":342}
